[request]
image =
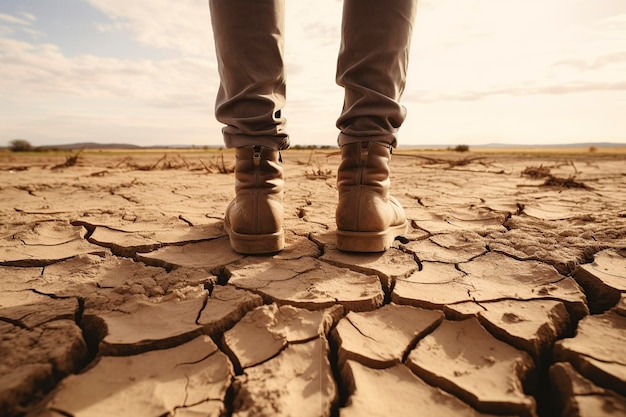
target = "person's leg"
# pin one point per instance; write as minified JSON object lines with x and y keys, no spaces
{"x":248,"y":38}
{"x":371,"y":67}
{"x":249,"y":44}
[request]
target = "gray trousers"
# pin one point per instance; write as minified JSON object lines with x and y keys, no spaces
{"x":371,"y":67}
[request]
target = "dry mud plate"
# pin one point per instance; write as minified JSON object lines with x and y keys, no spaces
{"x":120,"y":295}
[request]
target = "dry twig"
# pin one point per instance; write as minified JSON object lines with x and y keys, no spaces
{"x":536,"y":172}
{"x":319,"y":173}
{"x":450,"y":162}
{"x":569,"y":182}
{"x":69,"y":161}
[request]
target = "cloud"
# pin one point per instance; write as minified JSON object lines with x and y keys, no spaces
{"x":9,"y":46}
{"x":13,"y":24}
{"x":26,"y":20}
{"x":614,"y":23}
{"x":39,"y":71}
{"x":572,"y":87}
{"x":33,"y":71}
{"x":114,"y":27}
{"x":477,"y":49}
{"x":182,"y":26}
{"x":594,"y":63}
{"x":6,"y":31}
{"x":27,"y":16}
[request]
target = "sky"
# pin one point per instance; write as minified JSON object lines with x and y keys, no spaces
{"x":480,"y":71}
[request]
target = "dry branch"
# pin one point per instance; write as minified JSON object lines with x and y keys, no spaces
{"x":157,"y":162}
{"x":208,"y":170}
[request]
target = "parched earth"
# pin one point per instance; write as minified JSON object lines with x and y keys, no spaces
{"x":120,"y":295}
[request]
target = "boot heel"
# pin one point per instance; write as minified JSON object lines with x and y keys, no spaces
{"x":369,"y":241}
{"x":256,"y":244}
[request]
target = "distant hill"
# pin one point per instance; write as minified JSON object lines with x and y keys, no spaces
{"x":522,"y":146}
{"x":553,"y":145}
{"x":91,"y":145}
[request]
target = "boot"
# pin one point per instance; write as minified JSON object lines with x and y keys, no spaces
{"x":368,"y":218}
{"x":254,"y":219}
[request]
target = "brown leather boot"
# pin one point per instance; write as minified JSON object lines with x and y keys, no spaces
{"x":254,"y":219}
{"x":368,"y":218}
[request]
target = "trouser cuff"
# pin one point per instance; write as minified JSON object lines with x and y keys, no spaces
{"x":344,"y":139}
{"x":277,"y":143}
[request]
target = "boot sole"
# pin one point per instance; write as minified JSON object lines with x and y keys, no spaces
{"x":255,"y":244}
{"x":369,"y":241}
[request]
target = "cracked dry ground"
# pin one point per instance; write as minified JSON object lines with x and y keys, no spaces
{"x":120,"y":296}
